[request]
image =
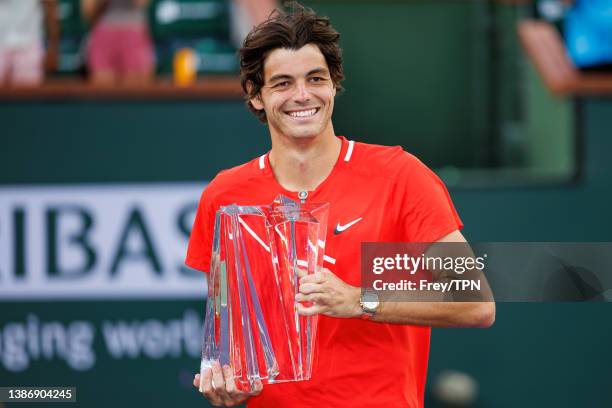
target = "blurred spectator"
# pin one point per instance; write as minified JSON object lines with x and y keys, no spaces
{"x":22,"y":48}
{"x":120,"y":48}
{"x":248,"y":13}
{"x":588,"y":32}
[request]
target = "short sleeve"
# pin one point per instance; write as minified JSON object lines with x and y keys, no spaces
{"x":200,"y":241}
{"x":426,"y":212}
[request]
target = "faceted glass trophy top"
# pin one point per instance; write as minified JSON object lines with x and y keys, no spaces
{"x":291,"y":210}
{"x":251,"y":320}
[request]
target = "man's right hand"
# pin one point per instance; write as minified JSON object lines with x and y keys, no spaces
{"x":219,"y":388}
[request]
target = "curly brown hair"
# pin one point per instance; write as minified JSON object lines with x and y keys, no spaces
{"x":292,"y":30}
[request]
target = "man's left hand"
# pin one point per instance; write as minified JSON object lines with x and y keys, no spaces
{"x":329,"y":295}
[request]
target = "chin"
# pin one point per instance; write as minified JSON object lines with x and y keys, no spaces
{"x":308,"y":133}
{"x":304,"y":131}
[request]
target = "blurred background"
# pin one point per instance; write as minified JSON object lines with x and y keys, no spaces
{"x":115,"y":114}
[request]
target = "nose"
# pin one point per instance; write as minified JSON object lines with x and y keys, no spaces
{"x":302,"y":93}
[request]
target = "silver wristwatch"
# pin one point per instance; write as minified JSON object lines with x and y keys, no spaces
{"x":369,"y":303}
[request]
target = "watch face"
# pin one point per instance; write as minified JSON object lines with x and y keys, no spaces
{"x":369,"y":301}
{"x":369,"y":297}
{"x":370,"y":305}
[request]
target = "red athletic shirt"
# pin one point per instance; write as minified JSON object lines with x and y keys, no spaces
{"x":360,"y":364}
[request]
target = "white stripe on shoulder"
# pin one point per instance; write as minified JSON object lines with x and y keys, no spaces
{"x":262,"y":161}
{"x":349,"y":151}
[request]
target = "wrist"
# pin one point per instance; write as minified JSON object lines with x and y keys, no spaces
{"x":357,"y":311}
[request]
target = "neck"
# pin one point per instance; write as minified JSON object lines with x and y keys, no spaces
{"x":303,"y":164}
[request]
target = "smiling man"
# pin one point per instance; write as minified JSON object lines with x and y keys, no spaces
{"x":370,"y":353}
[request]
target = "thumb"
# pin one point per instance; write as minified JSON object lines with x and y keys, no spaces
{"x":196,"y":381}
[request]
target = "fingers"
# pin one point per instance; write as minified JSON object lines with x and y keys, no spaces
{"x":230,"y":385}
{"x":313,"y":297}
{"x":206,"y":387}
{"x":301,"y":272}
{"x":310,"y":310}
{"x":196,"y":381}
{"x":317,"y":277}
{"x":257,"y":388}
{"x":307,"y":288}
{"x":217,"y":384}
{"x":312,"y":289}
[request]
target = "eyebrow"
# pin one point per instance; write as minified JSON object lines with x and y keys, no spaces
{"x":319,"y":70}
{"x":278,"y":77}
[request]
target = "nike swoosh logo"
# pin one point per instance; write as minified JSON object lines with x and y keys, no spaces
{"x":341,"y":228}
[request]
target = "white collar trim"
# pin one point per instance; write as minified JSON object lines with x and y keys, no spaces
{"x":349,"y":151}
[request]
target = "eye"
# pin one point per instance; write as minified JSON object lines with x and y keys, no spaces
{"x":282,"y":84}
{"x":317,"y":79}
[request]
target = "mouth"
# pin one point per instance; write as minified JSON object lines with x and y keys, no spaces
{"x":303,"y":114}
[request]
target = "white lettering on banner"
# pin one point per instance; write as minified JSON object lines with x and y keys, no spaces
{"x":21,"y":343}
{"x":152,"y":338}
{"x":98,"y":241}
{"x":24,"y":343}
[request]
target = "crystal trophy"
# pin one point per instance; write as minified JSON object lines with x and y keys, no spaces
{"x":252,"y":324}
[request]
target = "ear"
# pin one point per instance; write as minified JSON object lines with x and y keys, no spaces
{"x":256,"y":100}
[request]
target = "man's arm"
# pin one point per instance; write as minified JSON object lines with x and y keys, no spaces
{"x":334,"y":297}
{"x":92,"y":10}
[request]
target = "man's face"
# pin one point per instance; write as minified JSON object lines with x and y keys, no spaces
{"x":298,"y":93}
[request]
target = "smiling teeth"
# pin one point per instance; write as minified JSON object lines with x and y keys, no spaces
{"x":303,"y":114}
